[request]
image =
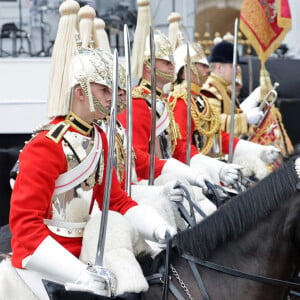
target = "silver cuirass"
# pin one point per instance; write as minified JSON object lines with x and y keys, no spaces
{"x":72,"y":197}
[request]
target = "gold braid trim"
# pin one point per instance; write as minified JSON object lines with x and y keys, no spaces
{"x":120,"y":154}
{"x":173,"y":129}
{"x":138,"y":92}
{"x":206,"y":122}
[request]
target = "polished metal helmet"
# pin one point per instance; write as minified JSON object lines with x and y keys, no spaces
{"x":91,"y":66}
{"x":163,"y":48}
{"x":197,"y":55}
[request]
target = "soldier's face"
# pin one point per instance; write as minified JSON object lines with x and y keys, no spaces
{"x":226,"y":71}
{"x":165,"y":67}
{"x":202,"y":72}
{"x":103,"y":94}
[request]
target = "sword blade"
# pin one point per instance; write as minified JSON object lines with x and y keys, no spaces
{"x":128,"y":171}
{"x":110,"y":162}
{"x":153,"y":107}
{"x":234,"y":65}
{"x":189,"y":107}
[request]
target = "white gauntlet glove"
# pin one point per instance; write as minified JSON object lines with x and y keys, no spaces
{"x":96,"y":280}
{"x":175,"y":191}
{"x":252,"y":100}
{"x":229,"y":173}
{"x":182,"y":171}
{"x":254,"y":115}
{"x":54,"y":261}
{"x":149,"y":223}
{"x":164,"y":232}
{"x":219,"y":170}
{"x":267,"y":154}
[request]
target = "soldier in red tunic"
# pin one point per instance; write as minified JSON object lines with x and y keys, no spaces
{"x":207,"y":135}
{"x":69,"y":152}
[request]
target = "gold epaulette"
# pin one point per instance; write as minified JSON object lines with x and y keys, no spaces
{"x":57,"y":132}
{"x":213,"y":90}
{"x":138,"y":92}
{"x":179,"y":92}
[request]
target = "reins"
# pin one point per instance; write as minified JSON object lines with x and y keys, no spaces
{"x":193,"y":261}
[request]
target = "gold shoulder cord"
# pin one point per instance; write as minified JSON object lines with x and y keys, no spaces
{"x":173,"y":127}
{"x":121,"y":155}
{"x":207,"y":122}
{"x":138,"y":92}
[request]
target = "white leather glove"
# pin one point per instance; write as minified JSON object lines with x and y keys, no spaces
{"x":175,"y":192}
{"x":267,"y":154}
{"x":182,"y":171}
{"x":252,"y":100}
{"x":53,"y":260}
{"x":229,"y":173}
{"x":92,"y":280}
{"x":149,"y":223}
{"x":254,"y":115}
{"x":221,"y":171}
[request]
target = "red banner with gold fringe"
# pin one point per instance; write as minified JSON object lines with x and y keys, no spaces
{"x":265,"y":24}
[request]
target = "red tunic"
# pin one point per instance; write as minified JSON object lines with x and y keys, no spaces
{"x":141,"y":129}
{"x":180,"y":114}
{"x":40,"y":164}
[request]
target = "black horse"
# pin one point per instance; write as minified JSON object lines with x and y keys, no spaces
{"x":256,"y":232}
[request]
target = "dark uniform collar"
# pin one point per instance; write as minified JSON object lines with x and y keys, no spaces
{"x":77,"y":123}
{"x":147,"y":85}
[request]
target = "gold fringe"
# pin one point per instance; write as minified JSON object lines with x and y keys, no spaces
{"x":207,"y":122}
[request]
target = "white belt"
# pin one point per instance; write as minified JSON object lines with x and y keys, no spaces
{"x":65,"y":229}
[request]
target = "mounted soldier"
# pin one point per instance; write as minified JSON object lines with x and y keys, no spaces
{"x":207,"y":135}
{"x":140,"y":164}
{"x":69,"y":152}
{"x":167,"y":132}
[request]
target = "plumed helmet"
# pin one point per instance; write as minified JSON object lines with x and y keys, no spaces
{"x":163,"y":49}
{"x":91,"y":66}
{"x":197,"y":55}
{"x":223,"y":53}
{"x":107,"y":55}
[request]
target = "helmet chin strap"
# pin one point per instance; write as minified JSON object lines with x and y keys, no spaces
{"x":200,"y":78}
{"x":160,"y":73}
{"x":99,"y":107}
{"x":121,"y":106}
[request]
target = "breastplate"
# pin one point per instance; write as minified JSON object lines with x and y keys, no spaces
{"x":72,"y":197}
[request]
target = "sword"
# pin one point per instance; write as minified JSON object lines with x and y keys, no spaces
{"x":153,"y":107}
{"x":189,"y":107}
{"x":129,"y":111}
{"x":234,"y":64}
{"x":110,"y":163}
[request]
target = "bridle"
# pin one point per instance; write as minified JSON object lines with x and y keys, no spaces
{"x":164,"y":276}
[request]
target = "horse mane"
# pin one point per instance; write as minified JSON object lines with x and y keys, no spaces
{"x":240,"y":213}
